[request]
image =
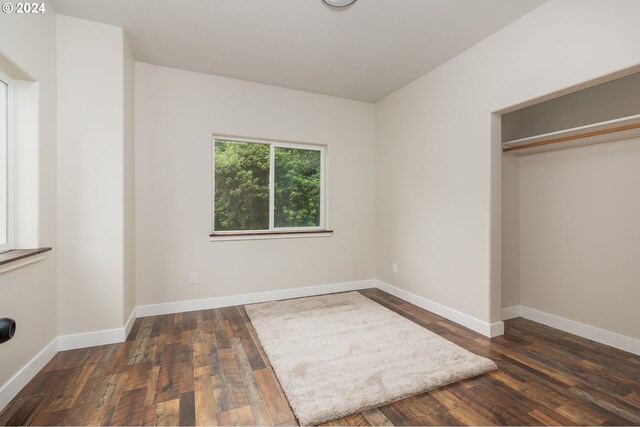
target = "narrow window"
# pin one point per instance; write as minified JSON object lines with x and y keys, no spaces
{"x":5,"y":199}
{"x":265,"y":186}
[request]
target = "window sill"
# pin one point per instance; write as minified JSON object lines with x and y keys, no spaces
{"x":219,"y":237}
{"x":16,"y":258}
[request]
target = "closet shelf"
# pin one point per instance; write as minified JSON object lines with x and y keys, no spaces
{"x":611,"y":130}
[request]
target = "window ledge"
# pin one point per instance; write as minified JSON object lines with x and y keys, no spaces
{"x":218,"y":237}
{"x":16,"y":258}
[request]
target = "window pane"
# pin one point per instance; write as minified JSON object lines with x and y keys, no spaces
{"x":4,"y":138}
{"x":241,"y":186}
{"x":297,"y":187}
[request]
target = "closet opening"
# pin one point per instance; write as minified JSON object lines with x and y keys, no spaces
{"x":570,"y":213}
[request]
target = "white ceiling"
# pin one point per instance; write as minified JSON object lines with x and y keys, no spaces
{"x":362,"y":52}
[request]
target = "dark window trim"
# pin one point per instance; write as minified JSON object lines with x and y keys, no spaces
{"x":18,"y":254}
{"x":270,"y":233}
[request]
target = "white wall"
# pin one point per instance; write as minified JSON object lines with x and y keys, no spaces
{"x":510,"y":262}
{"x":28,"y":294}
{"x":129,"y":206}
{"x":91,"y":177}
{"x":437,"y":197}
{"x":176,"y":114}
{"x":580,"y":234}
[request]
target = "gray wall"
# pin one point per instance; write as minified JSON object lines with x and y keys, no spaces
{"x":612,"y":100}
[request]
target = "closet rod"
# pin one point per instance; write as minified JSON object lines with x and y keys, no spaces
{"x":573,"y":137}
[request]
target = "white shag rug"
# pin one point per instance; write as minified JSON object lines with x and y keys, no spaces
{"x":335,"y":355}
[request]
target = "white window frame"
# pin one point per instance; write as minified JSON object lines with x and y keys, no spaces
{"x":9,"y":82}
{"x":323,"y":226}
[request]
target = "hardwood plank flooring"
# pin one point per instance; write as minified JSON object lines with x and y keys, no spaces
{"x":208,"y":368}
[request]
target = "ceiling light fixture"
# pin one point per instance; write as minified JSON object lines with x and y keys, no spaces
{"x":339,"y":3}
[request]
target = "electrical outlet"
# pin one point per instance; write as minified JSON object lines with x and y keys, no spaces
{"x":193,"y":278}
{"x":394,"y":268}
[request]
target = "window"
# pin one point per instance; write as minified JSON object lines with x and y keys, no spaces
{"x":5,"y":207}
{"x":262,"y":187}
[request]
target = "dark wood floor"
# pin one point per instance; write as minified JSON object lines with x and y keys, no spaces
{"x":207,"y":368}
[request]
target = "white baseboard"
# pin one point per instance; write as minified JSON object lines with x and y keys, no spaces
{"x":622,"y":342}
{"x":91,"y":339}
{"x":130,"y":322}
{"x":490,"y":330}
{"x":12,"y":387}
{"x":511,"y":312}
{"x":496,"y":329}
{"x":228,"y":301}
{"x":477,"y":325}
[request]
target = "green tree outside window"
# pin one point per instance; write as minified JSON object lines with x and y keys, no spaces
{"x":242,"y":192}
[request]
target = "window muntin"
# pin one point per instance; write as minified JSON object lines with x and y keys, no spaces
{"x":266,"y":186}
{"x":5,"y":195}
